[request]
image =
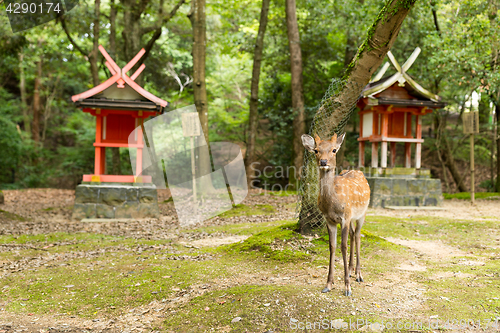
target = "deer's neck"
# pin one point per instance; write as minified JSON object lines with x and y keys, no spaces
{"x":326,"y":187}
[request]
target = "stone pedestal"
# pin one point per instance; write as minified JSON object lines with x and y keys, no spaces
{"x":115,"y":201}
{"x":403,"y":187}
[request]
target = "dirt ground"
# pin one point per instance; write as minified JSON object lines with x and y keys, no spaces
{"x":41,"y":211}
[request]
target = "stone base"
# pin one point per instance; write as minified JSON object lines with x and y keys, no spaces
{"x":115,"y":202}
{"x":404,"y":191}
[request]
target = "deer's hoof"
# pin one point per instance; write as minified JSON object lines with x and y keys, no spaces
{"x":326,"y":290}
{"x":359,"y":279}
{"x":348,"y":293}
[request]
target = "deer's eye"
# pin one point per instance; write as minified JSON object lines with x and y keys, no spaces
{"x":315,"y":151}
{"x":334,"y":151}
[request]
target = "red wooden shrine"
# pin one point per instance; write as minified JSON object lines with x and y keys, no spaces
{"x":391,"y":111}
{"x":120,"y":106}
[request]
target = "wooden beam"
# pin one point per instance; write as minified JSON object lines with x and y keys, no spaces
{"x":383,"y":152}
{"x":418,"y":148}
{"x":374,"y":154}
{"x":361,"y":154}
{"x":393,"y":154}
{"x":408,"y":155}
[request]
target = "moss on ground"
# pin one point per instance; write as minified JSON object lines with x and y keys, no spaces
{"x":245,"y":210}
{"x":238,"y":228}
{"x":466,"y":195}
{"x":7,"y":216}
{"x":121,"y":273}
{"x":262,"y":243}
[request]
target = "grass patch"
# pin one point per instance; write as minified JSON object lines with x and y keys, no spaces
{"x":245,"y":210}
{"x":466,"y":195}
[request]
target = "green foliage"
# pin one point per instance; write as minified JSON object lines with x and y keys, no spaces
{"x":455,"y":62}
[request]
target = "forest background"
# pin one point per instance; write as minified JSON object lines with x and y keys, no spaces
{"x":47,"y":142}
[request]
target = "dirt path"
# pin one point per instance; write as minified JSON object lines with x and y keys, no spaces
{"x":453,"y":209}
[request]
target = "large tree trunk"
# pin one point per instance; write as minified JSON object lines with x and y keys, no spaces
{"x":381,"y":36}
{"x":299,"y":125}
{"x":22,"y":88}
{"x":36,"y":101}
{"x":254,"y":92}
{"x":350,"y":52}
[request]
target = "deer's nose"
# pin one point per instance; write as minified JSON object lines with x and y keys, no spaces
{"x":322,"y":162}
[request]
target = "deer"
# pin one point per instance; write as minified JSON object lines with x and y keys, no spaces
{"x":343,"y":199}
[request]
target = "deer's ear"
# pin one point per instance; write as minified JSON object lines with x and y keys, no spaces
{"x":334,"y":138}
{"x":340,"y":139}
{"x":308,"y":142}
{"x":317,"y":139}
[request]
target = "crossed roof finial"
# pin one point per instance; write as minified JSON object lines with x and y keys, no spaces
{"x":120,"y":77}
{"x":401,"y":77}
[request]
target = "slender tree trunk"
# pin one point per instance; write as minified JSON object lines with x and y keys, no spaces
{"x":115,"y":151}
{"x":439,"y":124}
{"x":497,"y":113}
{"x":197,"y":17}
{"x":254,"y":91}
{"x":95,"y":51}
{"x":299,"y":125}
{"x":36,"y":101}
{"x":380,"y":38}
{"x":434,"y":15}
{"x":22,"y":88}
{"x":452,"y":166}
{"x":112,"y":28}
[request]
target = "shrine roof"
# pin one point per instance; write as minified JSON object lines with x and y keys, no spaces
{"x":120,"y":91}
{"x":416,"y":94}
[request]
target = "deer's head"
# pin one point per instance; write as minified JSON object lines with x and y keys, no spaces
{"x":325,"y":151}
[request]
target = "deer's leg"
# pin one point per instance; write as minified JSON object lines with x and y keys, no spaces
{"x":332,"y":234}
{"x":343,"y":247}
{"x":357,"y":236}
{"x":352,"y":246}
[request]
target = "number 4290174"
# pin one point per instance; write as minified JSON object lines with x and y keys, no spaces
{"x":32,"y":8}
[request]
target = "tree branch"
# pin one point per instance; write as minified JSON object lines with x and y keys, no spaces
{"x":162,"y":19}
{"x":157,"y":32}
{"x":65,"y":28}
